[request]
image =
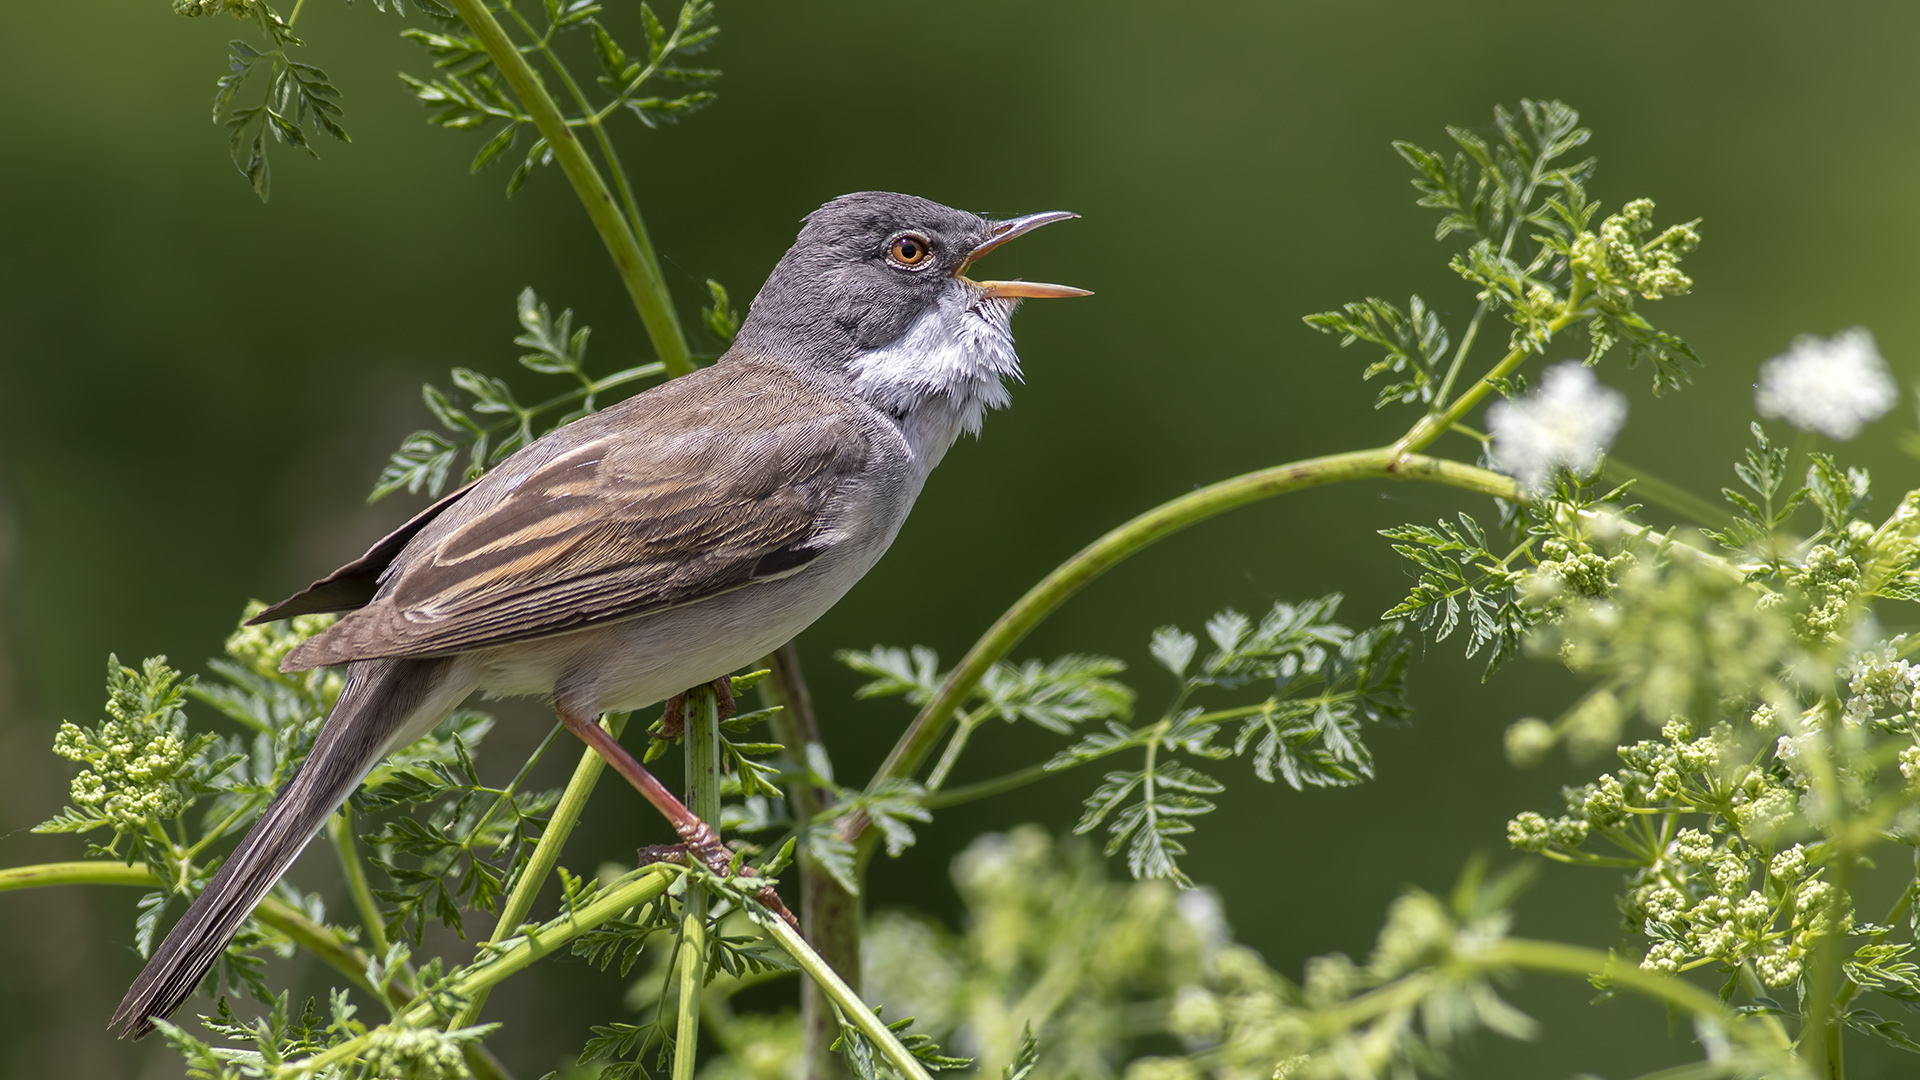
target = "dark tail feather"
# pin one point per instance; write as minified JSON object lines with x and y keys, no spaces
{"x":380,"y":698}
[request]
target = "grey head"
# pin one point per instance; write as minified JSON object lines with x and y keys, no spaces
{"x":876,"y":288}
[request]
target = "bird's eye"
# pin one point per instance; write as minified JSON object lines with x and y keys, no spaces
{"x":910,"y":251}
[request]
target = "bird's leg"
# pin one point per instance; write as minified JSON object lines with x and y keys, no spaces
{"x":701,"y":841}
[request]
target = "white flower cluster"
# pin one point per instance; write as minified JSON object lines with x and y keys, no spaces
{"x":1883,"y":686}
{"x":1570,"y":420}
{"x":1834,"y":387}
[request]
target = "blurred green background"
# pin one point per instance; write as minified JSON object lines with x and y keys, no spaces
{"x":196,"y":391}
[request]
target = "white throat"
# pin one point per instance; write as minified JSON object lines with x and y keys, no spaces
{"x":941,"y":376}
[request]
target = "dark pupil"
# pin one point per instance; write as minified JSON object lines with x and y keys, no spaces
{"x":909,"y":251}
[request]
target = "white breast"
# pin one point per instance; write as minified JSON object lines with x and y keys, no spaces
{"x":940,"y":377}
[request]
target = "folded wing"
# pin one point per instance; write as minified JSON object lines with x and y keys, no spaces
{"x":665,"y":500}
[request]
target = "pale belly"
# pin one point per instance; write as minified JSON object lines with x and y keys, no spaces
{"x":638,"y":662}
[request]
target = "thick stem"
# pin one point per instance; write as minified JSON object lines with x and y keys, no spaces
{"x":1386,"y":462}
{"x":701,"y":743}
{"x":546,"y":854}
{"x":830,"y":916}
{"x":638,"y":270}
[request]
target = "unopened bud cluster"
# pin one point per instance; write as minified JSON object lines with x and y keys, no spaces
{"x":1621,"y":258}
{"x":139,"y":761}
{"x":1731,"y":892}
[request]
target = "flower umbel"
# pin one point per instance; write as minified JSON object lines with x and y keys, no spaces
{"x":1570,"y":420}
{"x":1833,"y":386}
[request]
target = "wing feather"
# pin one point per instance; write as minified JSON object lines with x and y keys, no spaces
{"x":649,"y":505}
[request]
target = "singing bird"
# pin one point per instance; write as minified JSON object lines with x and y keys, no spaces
{"x":656,"y":545}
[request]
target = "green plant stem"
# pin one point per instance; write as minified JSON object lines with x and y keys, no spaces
{"x":319,"y":940}
{"x":857,"y":1012}
{"x":597,"y":121}
{"x":701,"y":745}
{"x":955,"y":745}
{"x":514,"y":956}
{"x":634,"y":261}
{"x":304,"y":932}
{"x":340,"y":831}
{"x":940,"y":800}
{"x":1434,"y":425}
{"x":1656,"y":490}
{"x":546,"y":855}
{"x":1820,"y":1036}
{"x":1388,"y":462}
{"x":1769,"y":1044}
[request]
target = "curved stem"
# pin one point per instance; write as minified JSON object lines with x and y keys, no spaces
{"x":1552,"y":956}
{"x":1386,"y":462}
{"x":638,"y":268}
{"x":546,"y":855}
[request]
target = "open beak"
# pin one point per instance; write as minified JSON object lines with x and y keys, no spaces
{"x":1004,"y":231}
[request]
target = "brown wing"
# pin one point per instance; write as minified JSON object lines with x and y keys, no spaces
{"x":649,"y":505}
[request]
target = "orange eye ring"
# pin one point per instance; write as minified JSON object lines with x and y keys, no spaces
{"x":910,"y":251}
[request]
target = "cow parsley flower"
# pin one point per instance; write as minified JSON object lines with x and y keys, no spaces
{"x":1833,"y":386}
{"x":1570,"y":420}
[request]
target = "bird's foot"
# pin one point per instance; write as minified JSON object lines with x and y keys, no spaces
{"x":659,"y":853}
{"x":673,"y":721}
{"x":704,"y":845}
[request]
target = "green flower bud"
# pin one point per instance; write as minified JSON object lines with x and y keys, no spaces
{"x":1692,"y":847}
{"x":1526,"y":832}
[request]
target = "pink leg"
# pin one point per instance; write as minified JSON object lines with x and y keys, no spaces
{"x":700,"y":840}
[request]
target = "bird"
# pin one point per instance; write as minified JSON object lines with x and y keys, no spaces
{"x":654,"y":546}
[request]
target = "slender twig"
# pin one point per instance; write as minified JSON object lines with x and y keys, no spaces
{"x":857,"y":1012}
{"x":597,"y":121}
{"x":1433,"y":425}
{"x":1656,"y":490}
{"x":638,"y":270}
{"x":340,"y":831}
{"x":701,"y":745}
{"x":1103,"y":554}
{"x":513,"y":956}
{"x":546,"y":854}
{"x":1769,"y":1044}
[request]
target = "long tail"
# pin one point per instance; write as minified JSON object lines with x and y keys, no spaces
{"x":384,"y":701}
